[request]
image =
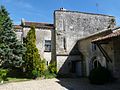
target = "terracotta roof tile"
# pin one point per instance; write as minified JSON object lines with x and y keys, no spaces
{"x":17,"y":27}
{"x":115,"y":33}
{"x":39,"y":25}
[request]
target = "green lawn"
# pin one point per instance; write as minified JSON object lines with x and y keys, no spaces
{"x":16,"y":80}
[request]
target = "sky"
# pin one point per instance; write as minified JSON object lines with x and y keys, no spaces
{"x":42,"y":10}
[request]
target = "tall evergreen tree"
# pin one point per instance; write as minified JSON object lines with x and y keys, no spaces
{"x":31,"y":57}
{"x":11,"y":50}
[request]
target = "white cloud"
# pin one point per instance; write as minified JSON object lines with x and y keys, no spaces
{"x":18,"y":3}
{"x":24,"y":4}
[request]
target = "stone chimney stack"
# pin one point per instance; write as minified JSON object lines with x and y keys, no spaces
{"x":22,"y":21}
{"x":62,"y":9}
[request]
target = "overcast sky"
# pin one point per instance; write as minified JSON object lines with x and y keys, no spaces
{"x":42,"y":10}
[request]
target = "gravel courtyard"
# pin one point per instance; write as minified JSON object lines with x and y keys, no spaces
{"x":59,"y":84}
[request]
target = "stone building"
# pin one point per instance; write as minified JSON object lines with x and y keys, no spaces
{"x":110,"y":49}
{"x":70,"y":41}
{"x":43,"y":36}
{"x":18,"y":31}
{"x":70,"y":28}
{"x":90,"y":52}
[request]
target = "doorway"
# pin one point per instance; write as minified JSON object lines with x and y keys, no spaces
{"x":77,"y":68}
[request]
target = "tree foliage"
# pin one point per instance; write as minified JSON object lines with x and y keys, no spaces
{"x":52,"y":67}
{"x":32,"y":58}
{"x":11,"y":50}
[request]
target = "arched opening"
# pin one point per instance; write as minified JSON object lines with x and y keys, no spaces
{"x":96,"y":64}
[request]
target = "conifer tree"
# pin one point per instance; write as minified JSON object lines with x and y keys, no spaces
{"x":11,"y":50}
{"x":31,"y":57}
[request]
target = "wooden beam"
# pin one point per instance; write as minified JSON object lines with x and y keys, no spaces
{"x":104,"y":53}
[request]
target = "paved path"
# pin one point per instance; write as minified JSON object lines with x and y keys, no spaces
{"x":58,"y":84}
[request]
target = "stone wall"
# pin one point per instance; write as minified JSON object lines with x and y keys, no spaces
{"x":71,"y":26}
{"x":19,"y":35}
{"x":90,"y":51}
{"x":41,"y":36}
{"x":116,"y":42}
{"x":109,"y":49}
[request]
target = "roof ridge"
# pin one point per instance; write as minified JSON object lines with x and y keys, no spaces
{"x":39,"y":25}
{"x":37,"y":22}
{"x":114,"y":33}
{"x":84,"y":12}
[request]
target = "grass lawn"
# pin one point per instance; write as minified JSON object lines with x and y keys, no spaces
{"x":9,"y":80}
{"x":13,"y":79}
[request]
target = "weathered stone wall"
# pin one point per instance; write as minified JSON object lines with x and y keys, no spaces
{"x":19,"y":35}
{"x":74,"y":25}
{"x":89,"y":52}
{"x":110,"y":51}
{"x":116,"y":42}
{"x":71,"y":26}
{"x":41,"y":36}
{"x":110,"y":46}
{"x":66,"y":66}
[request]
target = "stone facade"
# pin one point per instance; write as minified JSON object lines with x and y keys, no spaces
{"x":18,"y":31}
{"x":116,"y":53}
{"x":71,"y":26}
{"x":43,"y":37}
{"x":110,"y":44}
{"x":91,"y":52}
{"x":70,"y":38}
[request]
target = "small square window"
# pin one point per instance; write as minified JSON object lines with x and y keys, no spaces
{"x":47,"y":45}
{"x":93,"y":47}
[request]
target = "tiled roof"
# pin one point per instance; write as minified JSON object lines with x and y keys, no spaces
{"x":17,"y":27}
{"x":115,"y":33}
{"x":39,"y":25}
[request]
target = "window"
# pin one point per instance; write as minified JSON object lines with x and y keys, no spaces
{"x":93,"y":47}
{"x":47,"y":45}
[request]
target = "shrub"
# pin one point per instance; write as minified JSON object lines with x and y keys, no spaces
{"x":52,"y":68}
{"x":49,"y":75}
{"x":3,"y":74}
{"x":99,"y":75}
{"x":35,"y":74}
{"x":39,"y":70}
{"x":42,"y":67}
{"x":16,"y":72}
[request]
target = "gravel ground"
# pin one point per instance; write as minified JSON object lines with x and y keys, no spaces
{"x":59,"y":84}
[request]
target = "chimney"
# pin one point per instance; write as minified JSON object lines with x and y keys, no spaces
{"x":22,"y":21}
{"x":62,"y":9}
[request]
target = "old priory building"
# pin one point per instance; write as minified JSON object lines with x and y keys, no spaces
{"x":43,"y":36}
{"x":72,"y":41}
